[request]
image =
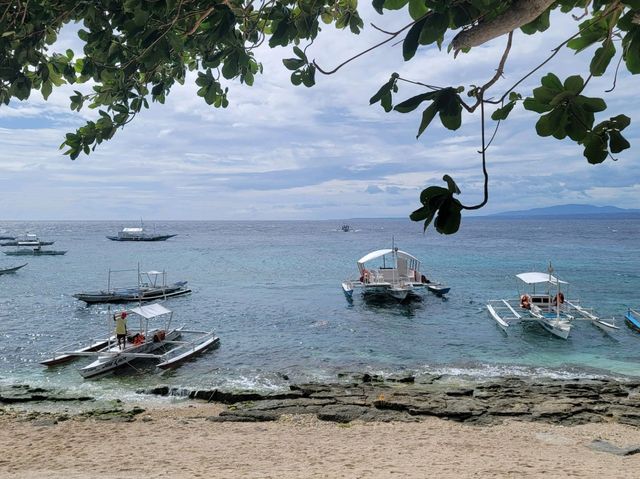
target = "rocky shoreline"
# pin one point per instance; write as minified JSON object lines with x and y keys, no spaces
{"x":370,"y":398}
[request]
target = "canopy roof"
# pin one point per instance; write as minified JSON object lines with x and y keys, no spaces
{"x":132,"y":230}
{"x":149,"y":311}
{"x":382,"y":252}
{"x":535,"y":278}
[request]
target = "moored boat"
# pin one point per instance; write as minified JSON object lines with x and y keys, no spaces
{"x":139,"y":234}
{"x":167,"y":345}
{"x":397,"y":275}
{"x":152,"y":286}
{"x":541,"y":299}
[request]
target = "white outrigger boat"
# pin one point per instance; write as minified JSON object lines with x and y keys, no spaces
{"x":158,"y":344}
{"x":398,"y":276}
{"x":541,"y":300}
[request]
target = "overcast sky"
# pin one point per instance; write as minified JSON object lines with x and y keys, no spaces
{"x":285,"y":152}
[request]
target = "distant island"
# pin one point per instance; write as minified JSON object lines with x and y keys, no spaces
{"x":571,"y":210}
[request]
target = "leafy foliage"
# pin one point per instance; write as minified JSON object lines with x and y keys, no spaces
{"x":135,"y":51}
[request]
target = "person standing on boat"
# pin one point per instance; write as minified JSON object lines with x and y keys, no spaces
{"x":121,"y":328}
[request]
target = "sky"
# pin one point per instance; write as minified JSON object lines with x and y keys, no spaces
{"x":281,"y":152}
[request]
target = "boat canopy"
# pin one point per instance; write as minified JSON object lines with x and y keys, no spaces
{"x":132,"y":230}
{"x":150,"y":311}
{"x":381,"y":252}
{"x":536,"y":278}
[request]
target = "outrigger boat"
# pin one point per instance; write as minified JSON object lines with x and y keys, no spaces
{"x":12,"y":269}
{"x":632,"y":318}
{"x":26,"y":240}
{"x":398,"y":276}
{"x":33,"y":248}
{"x":152,"y":286}
{"x":542,"y":301}
{"x":164,"y":345}
{"x":139,"y":234}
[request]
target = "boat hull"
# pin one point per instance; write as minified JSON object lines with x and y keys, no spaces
{"x":632,"y":320}
{"x":141,"y":238}
{"x":12,"y":270}
{"x":133,"y":295}
{"x":113,"y":359}
{"x":35,"y":253}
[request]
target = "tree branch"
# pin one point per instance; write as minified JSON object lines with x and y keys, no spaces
{"x":520,"y":13}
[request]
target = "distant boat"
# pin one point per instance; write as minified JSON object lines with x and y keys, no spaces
{"x":151,"y":286}
{"x":139,"y":234}
{"x":33,"y":249}
{"x":26,"y":240}
{"x":345,"y":228}
{"x":12,"y":269}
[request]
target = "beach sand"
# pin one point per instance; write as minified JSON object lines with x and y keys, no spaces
{"x":177,"y":441}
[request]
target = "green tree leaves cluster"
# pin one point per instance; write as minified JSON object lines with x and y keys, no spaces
{"x":135,"y":51}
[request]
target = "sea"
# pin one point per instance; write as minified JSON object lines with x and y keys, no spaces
{"x":271,"y":290}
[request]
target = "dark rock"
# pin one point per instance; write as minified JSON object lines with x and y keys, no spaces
{"x":604,"y":446}
{"x":341,"y":413}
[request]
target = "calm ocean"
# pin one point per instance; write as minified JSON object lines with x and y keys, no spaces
{"x":271,"y":290}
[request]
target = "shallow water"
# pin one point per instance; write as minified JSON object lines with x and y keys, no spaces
{"x":271,"y":290}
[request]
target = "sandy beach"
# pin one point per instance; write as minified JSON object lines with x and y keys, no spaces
{"x":179,"y":441}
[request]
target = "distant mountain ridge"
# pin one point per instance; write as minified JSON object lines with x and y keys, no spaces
{"x":570,"y":210}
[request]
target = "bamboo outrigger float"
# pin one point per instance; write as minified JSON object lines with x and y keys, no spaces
{"x":542,"y":301}
{"x":165,"y":345}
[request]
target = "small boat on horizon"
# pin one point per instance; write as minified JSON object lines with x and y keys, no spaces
{"x":139,"y":234}
{"x":398,"y":276}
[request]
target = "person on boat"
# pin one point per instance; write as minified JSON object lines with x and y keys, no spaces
{"x":559,"y":299}
{"x":121,"y":328}
{"x":525,"y":301}
{"x":364,"y":278}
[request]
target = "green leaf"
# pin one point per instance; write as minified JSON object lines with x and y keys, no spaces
{"x":413,"y":102}
{"x":432,"y":192}
{"x":595,"y":148}
{"x":410,"y":43}
{"x":293,"y":63}
{"x":574,"y":84}
{"x":503,"y":112}
{"x":449,"y":217}
{"x":394,"y":4}
{"x":417,"y":9}
{"x":552,"y":82}
{"x":451,"y":185}
{"x":592,"y":104}
{"x":47,"y":87}
{"x":377,"y":5}
{"x":435,"y":26}
{"x":602,"y":58}
{"x":427,"y":117}
{"x":617,"y":142}
{"x":534,"y":105}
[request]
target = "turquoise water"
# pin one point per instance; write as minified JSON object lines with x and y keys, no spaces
{"x":271,"y":290}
